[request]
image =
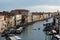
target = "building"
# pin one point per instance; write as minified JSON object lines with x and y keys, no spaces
{"x":21,"y":16}
{"x":47,"y":15}
{"x":30,"y":19}
{"x":37,"y":16}
{"x":6,"y":20}
{"x":41,"y":15}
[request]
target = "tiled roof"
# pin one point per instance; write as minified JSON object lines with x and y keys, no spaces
{"x":6,"y":13}
{"x":20,"y":10}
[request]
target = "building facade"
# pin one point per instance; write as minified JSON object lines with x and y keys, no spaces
{"x":21,"y":16}
{"x":37,"y":16}
{"x":6,"y":20}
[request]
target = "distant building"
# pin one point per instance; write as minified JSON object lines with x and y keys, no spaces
{"x":37,"y":16}
{"x":40,"y":15}
{"x":21,"y":15}
{"x":45,"y":15}
{"x":30,"y":19}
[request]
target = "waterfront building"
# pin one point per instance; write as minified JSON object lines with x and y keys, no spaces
{"x":37,"y":16}
{"x":45,"y":15}
{"x":21,"y":16}
{"x":30,"y":19}
{"x":6,"y":20}
{"x":41,"y":15}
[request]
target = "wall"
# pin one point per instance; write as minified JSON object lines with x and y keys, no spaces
{"x":18,"y":19}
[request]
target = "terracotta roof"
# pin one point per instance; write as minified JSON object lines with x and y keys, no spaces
{"x":37,"y":13}
{"x":6,"y":13}
{"x":20,"y":10}
{"x":40,"y":13}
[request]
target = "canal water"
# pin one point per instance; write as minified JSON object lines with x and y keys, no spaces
{"x":34,"y":31}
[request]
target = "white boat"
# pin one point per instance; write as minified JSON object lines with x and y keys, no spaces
{"x":53,"y":31}
{"x":18,"y":38}
{"x":57,"y":36}
{"x":12,"y":38}
{"x":15,"y":38}
{"x":19,"y":30}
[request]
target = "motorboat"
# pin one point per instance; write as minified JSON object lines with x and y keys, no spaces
{"x":15,"y":37}
{"x":53,"y":31}
{"x":19,"y":30}
{"x":57,"y":36}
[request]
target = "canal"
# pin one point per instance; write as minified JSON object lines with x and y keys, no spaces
{"x":34,"y":31}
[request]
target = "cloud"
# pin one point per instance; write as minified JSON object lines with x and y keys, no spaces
{"x":44,"y":8}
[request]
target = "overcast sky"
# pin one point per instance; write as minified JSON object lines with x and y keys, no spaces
{"x":32,"y":5}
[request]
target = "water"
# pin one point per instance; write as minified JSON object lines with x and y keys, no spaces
{"x":2,"y":38}
{"x":32,"y":32}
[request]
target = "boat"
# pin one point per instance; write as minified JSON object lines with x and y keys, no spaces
{"x":53,"y":31}
{"x":12,"y":38}
{"x":15,"y":37}
{"x":57,"y":36}
{"x":44,"y":24}
{"x":47,"y":28}
{"x":49,"y":33}
{"x":34,"y":29}
{"x":19,"y":30}
{"x":46,"y":20}
{"x":38,"y":28}
{"x":48,"y":24}
{"x":18,"y":38}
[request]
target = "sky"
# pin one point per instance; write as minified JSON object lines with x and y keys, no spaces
{"x":32,"y":5}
